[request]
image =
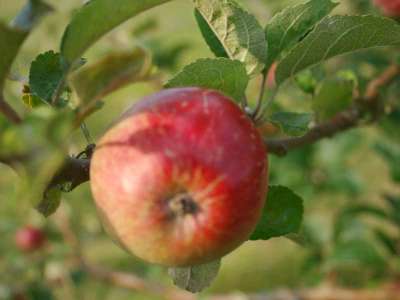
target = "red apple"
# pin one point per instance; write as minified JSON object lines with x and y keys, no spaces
{"x":181,"y":179}
{"x":29,"y":239}
{"x":389,"y":7}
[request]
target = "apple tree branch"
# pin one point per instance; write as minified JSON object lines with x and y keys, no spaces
{"x":343,"y":121}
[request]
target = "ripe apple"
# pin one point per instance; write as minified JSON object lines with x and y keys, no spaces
{"x":181,"y":179}
{"x":389,"y":7}
{"x":29,"y":238}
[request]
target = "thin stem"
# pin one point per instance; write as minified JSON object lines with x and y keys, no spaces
{"x":9,"y":112}
{"x":260,"y":96}
{"x":86,"y":133}
{"x":266,"y":105}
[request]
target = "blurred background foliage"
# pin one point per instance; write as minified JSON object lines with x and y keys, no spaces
{"x":351,"y":183}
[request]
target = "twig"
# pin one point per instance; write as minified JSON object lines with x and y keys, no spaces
{"x":384,"y":79}
{"x":341,"y":122}
{"x":9,"y":112}
{"x":74,"y":171}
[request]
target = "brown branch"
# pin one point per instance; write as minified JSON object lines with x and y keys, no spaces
{"x":9,"y":112}
{"x":75,"y":171}
{"x":342,"y":121}
{"x":384,"y":79}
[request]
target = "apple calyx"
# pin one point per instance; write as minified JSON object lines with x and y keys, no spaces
{"x":182,"y":204}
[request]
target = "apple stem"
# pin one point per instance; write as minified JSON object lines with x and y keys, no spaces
{"x":86,"y":133}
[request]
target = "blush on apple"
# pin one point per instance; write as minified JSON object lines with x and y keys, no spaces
{"x":29,"y":239}
{"x":181,"y":179}
{"x":389,"y":7}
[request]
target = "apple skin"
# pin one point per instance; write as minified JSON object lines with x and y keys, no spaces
{"x":181,"y":179}
{"x":389,"y":7}
{"x":29,"y":239}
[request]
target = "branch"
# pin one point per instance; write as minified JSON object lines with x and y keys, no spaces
{"x":9,"y":112}
{"x":342,"y":121}
{"x":74,"y":171}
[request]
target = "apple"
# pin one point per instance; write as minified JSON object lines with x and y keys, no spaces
{"x":389,"y":7}
{"x":29,"y":238}
{"x":181,"y":179}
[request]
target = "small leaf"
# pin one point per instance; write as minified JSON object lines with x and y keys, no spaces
{"x":96,"y":18}
{"x":289,"y":26}
{"x":109,"y":74}
{"x":389,"y":242}
{"x":394,"y":203}
{"x":239,"y":32}
{"x":196,"y":278}
{"x":335,"y":36}
{"x":306,"y":81}
{"x":50,"y":202}
{"x":225,"y":75}
{"x":294,"y":124}
{"x":45,"y":75}
{"x":209,"y":36}
{"x":13,"y":36}
{"x":30,"y":14}
{"x":282,"y":214}
{"x":332,"y":96}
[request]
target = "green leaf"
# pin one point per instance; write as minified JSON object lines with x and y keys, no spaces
{"x":394,"y":203}
{"x":95,"y":19}
{"x":287,"y":27}
{"x":306,"y":81}
{"x":335,"y":36}
{"x":282,"y":214}
{"x":209,"y":36}
{"x":39,"y":291}
{"x":196,"y":278}
{"x":239,"y":32}
{"x":294,"y":124}
{"x":332,"y":96}
{"x":50,"y":202}
{"x":225,"y":75}
{"x":30,"y":14}
{"x":109,"y":74}
{"x":389,"y":242}
{"x":45,"y":75}
{"x":13,"y":36}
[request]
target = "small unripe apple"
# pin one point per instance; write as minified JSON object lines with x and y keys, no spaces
{"x":29,"y":238}
{"x":389,"y":7}
{"x":181,"y":179}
